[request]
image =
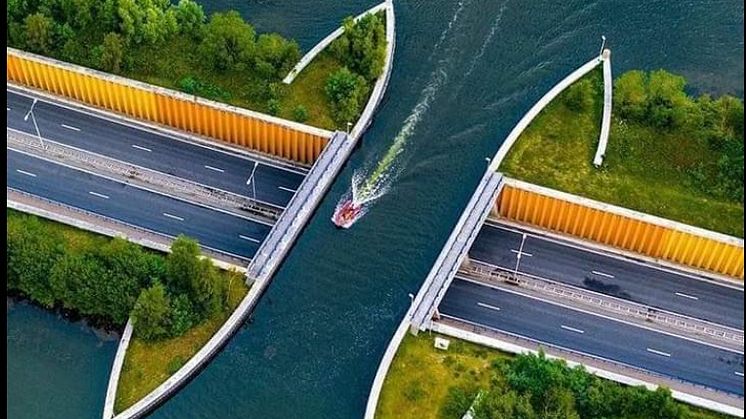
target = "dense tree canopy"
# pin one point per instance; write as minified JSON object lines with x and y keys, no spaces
{"x":362,"y":45}
{"x":346,"y":92}
{"x":111,"y":279}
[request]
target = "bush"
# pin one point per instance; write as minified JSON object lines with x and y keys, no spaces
{"x":275,"y":55}
{"x":112,"y":53}
{"x":152,"y":314}
{"x":273,"y":106}
{"x":362,"y":46}
{"x":39,"y":33}
{"x":300,"y":113}
{"x":457,"y":403}
{"x":229,"y":42}
{"x":346,"y":93}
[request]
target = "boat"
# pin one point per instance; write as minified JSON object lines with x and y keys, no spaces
{"x":346,"y":214}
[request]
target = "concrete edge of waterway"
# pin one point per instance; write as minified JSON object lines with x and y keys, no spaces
{"x":316,"y":50}
{"x":725,"y":404}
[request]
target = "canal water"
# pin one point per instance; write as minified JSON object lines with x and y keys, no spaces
{"x":317,"y":336}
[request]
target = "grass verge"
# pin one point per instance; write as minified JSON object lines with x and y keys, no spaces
{"x":148,"y":364}
{"x":420,"y":378}
{"x":645,"y":168}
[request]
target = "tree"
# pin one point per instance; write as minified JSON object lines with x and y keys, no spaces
{"x":112,"y":52}
{"x":152,"y":313}
{"x":182,"y":265}
{"x":362,"y":45}
{"x":190,"y":17}
{"x":229,"y":42}
{"x":630,"y":95}
{"x":499,"y":403}
{"x":275,"y":55}
{"x":346,"y":93}
{"x":668,"y":104}
{"x":32,"y":253}
{"x":39,"y":31}
{"x":146,"y":21}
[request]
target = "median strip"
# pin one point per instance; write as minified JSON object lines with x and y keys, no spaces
{"x":167,"y":215}
{"x":653,"y":351}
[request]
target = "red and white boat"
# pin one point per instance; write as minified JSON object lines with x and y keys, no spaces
{"x":346,"y":214}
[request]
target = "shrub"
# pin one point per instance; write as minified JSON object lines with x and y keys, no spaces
{"x":362,"y":46}
{"x":346,"y":93}
{"x":152,"y":313}
{"x":300,"y":113}
{"x":229,"y":42}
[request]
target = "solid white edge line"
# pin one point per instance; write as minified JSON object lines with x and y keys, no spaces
{"x":100,"y":195}
{"x":657,"y":352}
{"x":485,"y":305}
{"x":70,"y":127}
{"x":23,"y":172}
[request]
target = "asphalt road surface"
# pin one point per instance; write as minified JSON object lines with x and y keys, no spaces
{"x":577,"y":331}
{"x":633,"y":281}
{"x":214,"y":229}
{"x":96,"y":133}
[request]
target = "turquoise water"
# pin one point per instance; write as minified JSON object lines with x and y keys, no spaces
{"x":320,"y":330}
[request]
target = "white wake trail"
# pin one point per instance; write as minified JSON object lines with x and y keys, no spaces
{"x":493,"y":29}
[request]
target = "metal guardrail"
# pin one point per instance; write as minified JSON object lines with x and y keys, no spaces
{"x":137,"y":175}
{"x":607,"y":303}
{"x":141,"y":230}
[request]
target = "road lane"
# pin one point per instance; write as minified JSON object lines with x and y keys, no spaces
{"x":214,"y":229}
{"x":688,"y":361}
{"x":96,"y":133}
{"x":612,"y":276}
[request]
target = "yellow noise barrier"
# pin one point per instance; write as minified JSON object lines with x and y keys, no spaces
{"x":622,"y":228}
{"x":266,"y":134}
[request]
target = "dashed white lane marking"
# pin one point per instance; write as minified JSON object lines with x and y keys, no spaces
{"x":661,"y":353}
{"x":740,"y":374}
{"x":7,"y":108}
{"x":522,"y":253}
{"x":214,"y":169}
{"x":70,"y":127}
{"x":572,"y":329}
{"x":602,"y":274}
{"x":141,"y":148}
{"x":100,"y":195}
{"x":485,"y":305}
{"x":23,"y":172}
{"x":251,"y":239}
{"x":286,"y":189}
{"x":691,"y":297}
{"x":165,"y":214}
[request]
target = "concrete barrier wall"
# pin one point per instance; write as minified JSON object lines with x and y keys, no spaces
{"x":622,"y":228}
{"x":263,"y":133}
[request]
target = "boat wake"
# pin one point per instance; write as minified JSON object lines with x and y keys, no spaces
{"x":373,"y":181}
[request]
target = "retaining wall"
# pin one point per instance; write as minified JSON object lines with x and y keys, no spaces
{"x":622,"y":228}
{"x":263,"y":133}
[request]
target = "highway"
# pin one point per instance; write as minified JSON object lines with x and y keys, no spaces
{"x":95,"y":132}
{"x":214,"y":229}
{"x":580,"y":332}
{"x":626,"y":279}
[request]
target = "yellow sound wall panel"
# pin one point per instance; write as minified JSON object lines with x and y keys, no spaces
{"x":283,"y":139}
{"x":621,"y":228}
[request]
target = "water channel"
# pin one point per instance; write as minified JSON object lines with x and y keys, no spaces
{"x":318,"y":334}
